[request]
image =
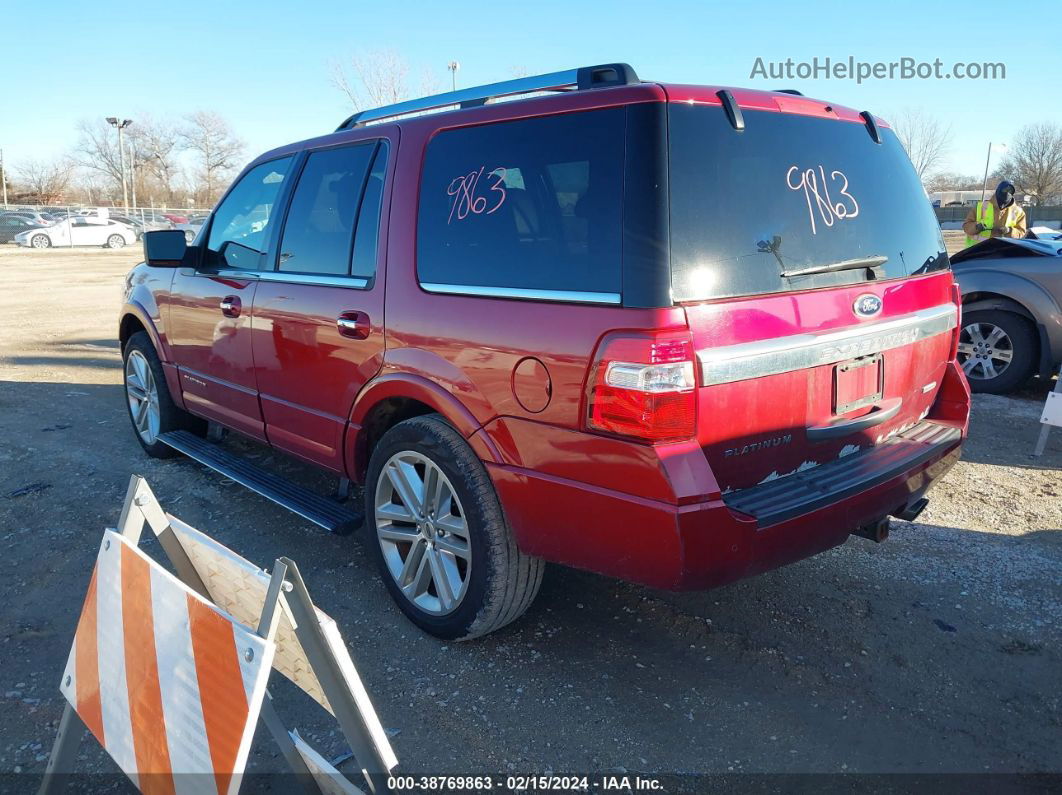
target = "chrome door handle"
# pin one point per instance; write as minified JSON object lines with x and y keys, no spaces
{"x":230,"y":306}
{"x":355,"y":325}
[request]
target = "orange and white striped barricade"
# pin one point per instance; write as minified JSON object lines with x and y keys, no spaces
{"x":299,"y":640}
{"x":1052,"y":415}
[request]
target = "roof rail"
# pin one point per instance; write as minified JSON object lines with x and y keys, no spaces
{"x":581,"y":79}
{"x":792,"y":91}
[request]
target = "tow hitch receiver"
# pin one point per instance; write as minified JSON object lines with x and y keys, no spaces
{"x":876,"y":531}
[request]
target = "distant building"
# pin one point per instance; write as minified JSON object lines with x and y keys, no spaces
{"x":36,"y":199}
{"x":955,"y":198}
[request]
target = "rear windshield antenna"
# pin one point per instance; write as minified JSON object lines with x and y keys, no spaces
{"x":792,"y":91}
{"x":872,"y":126}
{"x":733,"y":112}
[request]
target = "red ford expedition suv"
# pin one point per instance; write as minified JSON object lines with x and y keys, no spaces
{"x":674,"y":334}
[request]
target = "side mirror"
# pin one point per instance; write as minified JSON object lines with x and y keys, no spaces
{"x":165,"y":248}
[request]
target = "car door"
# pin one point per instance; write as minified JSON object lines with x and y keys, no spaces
{"x":9,"y":227}
{"x":318,"y":314}
{"x":84,"y":232}
{"x":208,"y":309}
{"x":58,"y":234}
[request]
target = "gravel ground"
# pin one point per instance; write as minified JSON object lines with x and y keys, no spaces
{"x":935,"y":652}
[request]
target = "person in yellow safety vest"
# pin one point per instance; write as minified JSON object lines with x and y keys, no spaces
{"x":1000,"y":216}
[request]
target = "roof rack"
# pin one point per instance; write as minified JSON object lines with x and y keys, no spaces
{"x":581,"y":79}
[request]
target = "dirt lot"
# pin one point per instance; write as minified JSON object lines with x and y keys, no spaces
{"x":938,"y":651}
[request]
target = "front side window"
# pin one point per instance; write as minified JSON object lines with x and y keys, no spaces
{"x":534,"y":204}
{"x":319,"y":230}
{"x":238,"y":232}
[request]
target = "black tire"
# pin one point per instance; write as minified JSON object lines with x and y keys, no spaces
{"x":502,"y":581}
{"x":40,"y":241}
{"x":1020,"y":343}
{"x":171,"y":417}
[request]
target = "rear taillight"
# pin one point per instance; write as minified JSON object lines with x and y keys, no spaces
{"x":643,"y":386}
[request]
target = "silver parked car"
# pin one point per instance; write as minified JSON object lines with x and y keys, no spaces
{"x":191,"y":228}
{"x":1011,"y":311}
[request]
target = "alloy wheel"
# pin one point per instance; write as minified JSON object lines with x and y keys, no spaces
{"x":423,"y":532}
{"x":143,"y":396}
{"x":40,"y":241}
{"x":985,"y":351}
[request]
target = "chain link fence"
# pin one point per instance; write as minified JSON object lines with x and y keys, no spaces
{"x":64,"y":225}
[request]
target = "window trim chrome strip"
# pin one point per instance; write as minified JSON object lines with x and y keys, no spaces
{"x":354,"y":282}
{"x":778,"y":355}
{"x":567,"y":296}
{"x":350,"y":282}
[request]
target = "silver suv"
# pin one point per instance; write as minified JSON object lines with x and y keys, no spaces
{"x":1011,"y":311}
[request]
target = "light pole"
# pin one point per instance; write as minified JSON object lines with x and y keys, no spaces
{"x":113,"y":121}
{"x":453,"y":66}
{"x":988,"y":157}
{"x":132,"y":174}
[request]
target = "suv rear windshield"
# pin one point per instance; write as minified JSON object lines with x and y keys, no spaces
{"x":790,"y":192}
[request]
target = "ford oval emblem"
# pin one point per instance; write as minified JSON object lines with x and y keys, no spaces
{"x":867,"y":305}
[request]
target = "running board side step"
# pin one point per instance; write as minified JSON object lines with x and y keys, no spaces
{"x":311,"y":506}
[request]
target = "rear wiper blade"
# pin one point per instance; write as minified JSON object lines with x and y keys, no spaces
{"x":843,"y":265}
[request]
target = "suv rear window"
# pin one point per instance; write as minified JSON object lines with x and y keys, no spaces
{"x":790,"y":192}
{"x":529,"y":205}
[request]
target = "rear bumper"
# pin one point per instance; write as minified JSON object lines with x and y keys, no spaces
{"x":801,"y":493}
{"x":706,"y":544}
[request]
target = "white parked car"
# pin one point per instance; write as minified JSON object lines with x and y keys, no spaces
{"x":79,"y":231}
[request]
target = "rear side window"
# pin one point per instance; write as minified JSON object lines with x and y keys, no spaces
{"x":319,"y":230}
{"x":790,"y":193}
{"x":530,"y":205}
{"x":363,"y":263}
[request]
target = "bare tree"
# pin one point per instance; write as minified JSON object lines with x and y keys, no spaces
{"x":46,"y":180}
{"x":152,"y":149}
{"x":1034,"y":161}
{"x":429,"y":83}
{"x":216,"y":149}
{"x":92,"y":188}
{"x":97,"y":150}
{"x":925,"y":138}
{"x":949,"y":180}
{"x":372,"y":78}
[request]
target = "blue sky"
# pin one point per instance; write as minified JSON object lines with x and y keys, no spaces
{"x":265,"y":65}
